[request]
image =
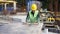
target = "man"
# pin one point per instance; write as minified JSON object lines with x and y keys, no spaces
{"x":33,"y":14}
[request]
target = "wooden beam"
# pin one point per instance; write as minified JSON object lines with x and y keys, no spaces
{"x":56,"y":5}
{"x":50,"y":5}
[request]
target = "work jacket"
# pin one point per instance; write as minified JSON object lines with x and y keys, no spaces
{"x":33,"y":17}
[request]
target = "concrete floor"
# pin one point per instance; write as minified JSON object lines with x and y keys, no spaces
{"x":8,"y":27}
{"x":16,"y":28}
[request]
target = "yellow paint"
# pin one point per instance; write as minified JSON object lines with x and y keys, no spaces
{"x":1,"y":0}
{"x":58,"y":19}
{"x":51,"y":18}
{"x":8,"y":1}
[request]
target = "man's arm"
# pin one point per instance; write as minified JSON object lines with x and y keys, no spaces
{"x":27,"y":17}
{"x":39,"y":17}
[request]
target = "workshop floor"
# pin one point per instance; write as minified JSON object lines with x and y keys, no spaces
{"x":8,"y":27}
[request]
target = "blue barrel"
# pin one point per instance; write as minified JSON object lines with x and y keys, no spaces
{"x":10,"y":9}
{"x":1,"y":8}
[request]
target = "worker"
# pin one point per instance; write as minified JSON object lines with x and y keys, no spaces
{"x":33,"y":14}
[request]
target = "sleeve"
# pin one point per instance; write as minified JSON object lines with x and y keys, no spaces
{"x":39,"y":17}
{"x":27,"y":17}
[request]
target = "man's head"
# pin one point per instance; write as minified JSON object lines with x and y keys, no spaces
{"x":33,"y":7}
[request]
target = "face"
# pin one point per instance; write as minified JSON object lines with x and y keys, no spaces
{"x":33,"y":10}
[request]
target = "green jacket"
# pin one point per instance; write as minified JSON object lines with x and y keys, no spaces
{"x":33,"y":18}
